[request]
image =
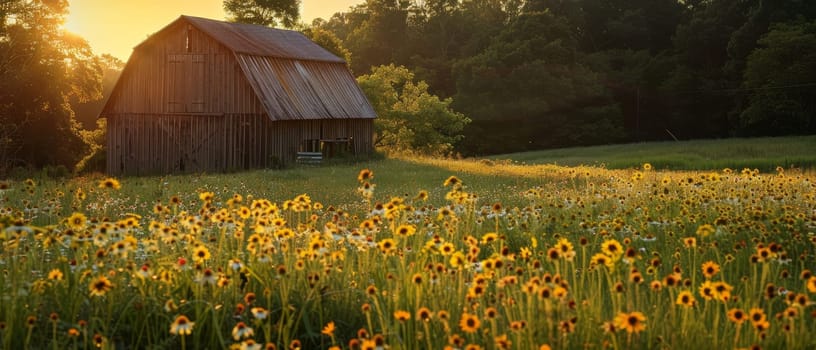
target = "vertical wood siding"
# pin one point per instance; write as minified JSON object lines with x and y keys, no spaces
{"x":144,"y":144}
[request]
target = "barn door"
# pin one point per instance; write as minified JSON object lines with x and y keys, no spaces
{"x":186,"y":83}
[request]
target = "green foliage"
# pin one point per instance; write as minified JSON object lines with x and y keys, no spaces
{"x":43,"y":70}
{"x":408,"y":117}
{"x":530,"y":79}
{"x":264,"y":12}
{"x":328,"y":41}
{"x":780,"y":75}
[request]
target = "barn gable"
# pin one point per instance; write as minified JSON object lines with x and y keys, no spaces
{"x":205,"y":95}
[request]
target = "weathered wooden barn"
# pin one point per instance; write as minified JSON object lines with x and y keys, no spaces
{"x":208,"y":96}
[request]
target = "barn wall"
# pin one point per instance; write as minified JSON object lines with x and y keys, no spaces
{"x":142,"y":144}
{"x":163,"y":76}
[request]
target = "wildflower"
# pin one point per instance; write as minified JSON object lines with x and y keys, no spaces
{"x":705,"y":230}
{"x":260,"y":313}
{"x":55,"y":274}
{"x":612,"y":248}
{"x":811,"y":284}
{"x":647,"y":167}
{"x":756,"y":315}
{"x":406,"y":230}
{"x":710,"y":269}
{"x":206,"y":277}
{"x":100,"y":286}
{"x":422,"y":195}
{"x":77,"y":221}
{"x":328,"y":329}
{"x":469,"y":323}
{"x":402,"y":315}
{"x":686,"y":299}
{"x":452,"y":181}
{"x":170,"y":305}
{"x":182,"y":326}
{"x":241,"y":330}
{"x":387,"y":246}
{"x":110,"y":183}
{"x":206,"y":196}
{"x":722,"y":291}
{"x":201,"y":253}
{"x":737,"y":316}
{"x":632,"y":322}
{"x":489,"y":237}
{"x":601,"y":259}
{"x":707,"y":290}
{"x":365,"y":175}
{"x":424,"y":314}
{"x":250,"y":344}
{"x":502,"y":342}
{"x":690,"y":242}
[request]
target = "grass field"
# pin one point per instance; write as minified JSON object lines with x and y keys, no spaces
{"x":412,"y":254}
{"x":764,"y":154}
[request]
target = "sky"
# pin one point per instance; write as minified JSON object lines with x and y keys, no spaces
{"x":116,"y":26}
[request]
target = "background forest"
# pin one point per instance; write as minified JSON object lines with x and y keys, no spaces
{"x":527,"y":74}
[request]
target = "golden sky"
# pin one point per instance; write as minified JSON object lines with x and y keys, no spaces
{"x":116,"y":26}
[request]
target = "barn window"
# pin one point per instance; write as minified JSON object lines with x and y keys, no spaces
{"x":186,"y":83}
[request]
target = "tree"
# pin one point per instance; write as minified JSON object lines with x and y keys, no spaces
{"x":408,"y":117}
{"x":328,"y":41}
{"x":42,"y":69}
{"x":264,"y":12}
{"x":528,"y":90}
{"x":779,"y":77}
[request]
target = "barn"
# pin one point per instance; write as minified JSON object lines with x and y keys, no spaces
{"x":208,"y":96}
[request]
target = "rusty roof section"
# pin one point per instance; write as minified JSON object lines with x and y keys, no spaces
{"x":298,"y":90}
{"x":263,"y":41}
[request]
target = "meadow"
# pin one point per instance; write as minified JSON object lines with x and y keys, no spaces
{"x":412,"y":254}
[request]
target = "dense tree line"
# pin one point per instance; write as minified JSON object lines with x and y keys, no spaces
{"x":551,"y":73}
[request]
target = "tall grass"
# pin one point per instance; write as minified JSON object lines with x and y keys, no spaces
{"x":764,"y":154}
{"x":424,"y":254}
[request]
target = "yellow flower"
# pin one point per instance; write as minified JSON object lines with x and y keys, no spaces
{"x":110,"y":183}
{"x":365,"y":175}
{"x":612,"y":248}
{"x":632,"y":322}
{"x":705,"y":230}
{"x":452,"y":181}
{"x":489,"y":237}
{"x":402,"y":315}
{"x":100,"y":286}
{"x":77,"y":221}
{"x":387,"y":246}
{"x":328,"y":329}
{"x":201,"y":253}
{"x":685,"y":298}
{"x":182,"y":326}
{"x":647,"y":167}
{"x":55,"y":274}
{"x":206,"y":196}
{"x":811,"y":284}
{"x":406,"y":230}
{"x":737,"y":316}
{"x":601,"y":259}
{"x":469,"y":323}
{"x":710,"y":269}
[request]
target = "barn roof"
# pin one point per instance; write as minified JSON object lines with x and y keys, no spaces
{"x":260,"y":40}
{"x":294,"y":78}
